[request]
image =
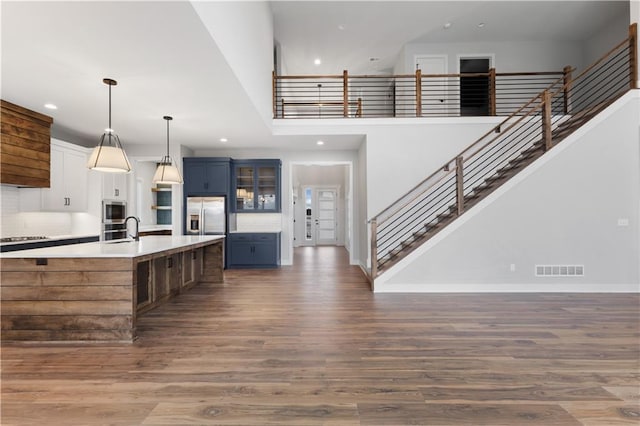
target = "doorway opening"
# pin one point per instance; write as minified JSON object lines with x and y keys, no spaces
{"x":322,"y":205}
{"x":474,"y":90}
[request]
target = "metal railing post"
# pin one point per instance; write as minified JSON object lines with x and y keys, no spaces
{"x":566,"y":71}
{"x":492,"y":91}
{"x":374,"y":249}
{"x":633,"y":56}
{"x":459,"y":185}
{"x":546,"y":120}
{"x":345,"y":93}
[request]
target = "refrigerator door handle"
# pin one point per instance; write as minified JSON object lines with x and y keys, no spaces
{"x":202,"y":219}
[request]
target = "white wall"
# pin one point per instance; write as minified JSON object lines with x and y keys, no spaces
{"x":510,"y":56}
{"x":243,"y":32}
{"x":606,"y":38}
{"x":566,"y":209}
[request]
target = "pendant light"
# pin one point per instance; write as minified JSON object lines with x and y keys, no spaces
{"x":166,"y":172}
{"x":109,"y":156}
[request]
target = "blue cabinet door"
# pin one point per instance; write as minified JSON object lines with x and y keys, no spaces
{"x":195,"y":176}
{"x":206,"y":176}
{"x":264,"y":254}
{"x":241,"y":253}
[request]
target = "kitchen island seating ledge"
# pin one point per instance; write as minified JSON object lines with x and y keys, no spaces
{"x":94,"y":291}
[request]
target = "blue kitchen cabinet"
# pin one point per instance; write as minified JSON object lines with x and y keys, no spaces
{"x":256,"y":186}
{"x":254,"y":250}
{"x":206,"y":176}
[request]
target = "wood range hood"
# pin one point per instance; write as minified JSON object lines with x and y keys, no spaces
{"x":25,"y":154}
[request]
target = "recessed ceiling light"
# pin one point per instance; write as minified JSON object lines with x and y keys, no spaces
{"x":50,"y":106}
{"x":341,"y":27}
{"x":481,"y":25}
{"x":447,"y":25}
{"x":320,"y":143}
{"x":224,"y":140}
{"x":317,"y":61}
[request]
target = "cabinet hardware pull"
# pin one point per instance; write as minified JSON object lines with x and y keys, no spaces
{"x":117,"y":192}
{"x":169,"y":262}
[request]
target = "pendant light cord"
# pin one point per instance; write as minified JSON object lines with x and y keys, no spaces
{"x":110,"y":129}
{"x":168,"y":138}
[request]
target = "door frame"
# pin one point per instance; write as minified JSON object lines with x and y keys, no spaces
{"x":490,"y":56}
{"x":349,"y":204}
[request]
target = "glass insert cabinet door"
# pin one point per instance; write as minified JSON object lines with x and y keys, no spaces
{"x":267,"y":186}
{"x":257,"y":186}
{"x":245,"y":188}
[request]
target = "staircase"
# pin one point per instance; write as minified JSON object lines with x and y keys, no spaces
{"x":504,"y":151}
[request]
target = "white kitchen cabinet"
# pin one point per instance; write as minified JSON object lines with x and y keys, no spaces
{"x":114,"y":186}
{"x":68,"y":190}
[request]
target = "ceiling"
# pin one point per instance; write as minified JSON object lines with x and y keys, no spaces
{"x":166,"y":62}
{"x":348,"y":34}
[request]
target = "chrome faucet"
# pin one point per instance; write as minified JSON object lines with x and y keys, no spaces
{"x":137,"y":234}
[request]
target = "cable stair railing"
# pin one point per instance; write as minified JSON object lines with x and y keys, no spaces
{"x":523,"y":137}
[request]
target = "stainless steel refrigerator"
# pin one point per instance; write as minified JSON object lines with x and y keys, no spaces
{"x":206,"y":216}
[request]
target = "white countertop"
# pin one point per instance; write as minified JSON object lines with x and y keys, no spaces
{"x":147,"y":228}
{"x":147,"y":245}
{"x":256,"y":231}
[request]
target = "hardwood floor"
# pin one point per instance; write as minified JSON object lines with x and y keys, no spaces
{"x":310,"y":344}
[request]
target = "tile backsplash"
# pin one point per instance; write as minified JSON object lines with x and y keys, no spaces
{"x":14,"y":223}
{"x":257,"y":222}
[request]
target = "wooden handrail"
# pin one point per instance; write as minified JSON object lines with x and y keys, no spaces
{"x":388,"y":76}
{"x":633,"y":53}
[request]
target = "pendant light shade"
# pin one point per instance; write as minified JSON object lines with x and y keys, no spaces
{"x":109,"y":156}
{"x":166,"y":172}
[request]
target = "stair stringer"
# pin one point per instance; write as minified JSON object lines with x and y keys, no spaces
{"x":610,"y":258}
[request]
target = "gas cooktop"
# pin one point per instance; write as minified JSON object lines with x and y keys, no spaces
{"x":19,"y":239}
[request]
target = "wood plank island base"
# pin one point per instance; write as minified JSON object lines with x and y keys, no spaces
{"x":94,"y":291}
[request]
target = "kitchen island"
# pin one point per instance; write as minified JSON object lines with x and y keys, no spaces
{"x":94,"y":291}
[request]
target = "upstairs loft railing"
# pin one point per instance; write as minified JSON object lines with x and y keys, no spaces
{"x":526,"y":134}
{"x":411,"y":95}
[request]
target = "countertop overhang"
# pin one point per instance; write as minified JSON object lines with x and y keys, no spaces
{"x":126,"y":249}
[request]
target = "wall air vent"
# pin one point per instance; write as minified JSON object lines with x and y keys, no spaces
{"x":559,"y":270}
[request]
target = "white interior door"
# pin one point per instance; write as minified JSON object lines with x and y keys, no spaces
{"x":434,"y":89}
{"x":327,"y":216}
